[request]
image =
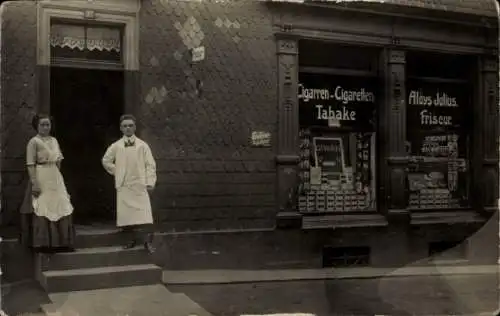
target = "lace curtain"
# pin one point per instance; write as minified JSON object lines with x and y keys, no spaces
{"x":85,"y":37}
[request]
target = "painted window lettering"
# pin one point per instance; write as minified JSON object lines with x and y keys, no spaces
{"x":307,"y":94}
{"x":340,"y":94}
{"x":441,"y":99}
{"x":346,"y":96}
{"x":428,"y":118}
{"x":342,"y":115}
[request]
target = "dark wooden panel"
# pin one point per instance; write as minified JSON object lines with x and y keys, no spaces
{"x":237,"y":166}
{"x":219,"y":201}
{"x":490,"y":135}
{"x":288,"y":123}
{"x":346,"y":22}
{"x":437,"y":231}
{"x":196,"y":189}
{"x":395,"y":136}
{"x":336,"y":221}
{"x":206,"y":178}
{"x":208,"y":213}
{"x":448,"y":217}
{"x":217,"y":225}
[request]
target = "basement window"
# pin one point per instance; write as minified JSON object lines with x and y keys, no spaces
{"x":346,"y":256}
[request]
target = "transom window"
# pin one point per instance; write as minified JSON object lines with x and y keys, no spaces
{"x":86,"y":42}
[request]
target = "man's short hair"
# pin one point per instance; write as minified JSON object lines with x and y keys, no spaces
{"x":127,"y":117}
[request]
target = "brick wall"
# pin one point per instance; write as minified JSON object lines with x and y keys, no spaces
{"x":18,"y":98}
{"x":199,"y":117}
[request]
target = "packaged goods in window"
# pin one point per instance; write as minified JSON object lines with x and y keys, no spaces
{"x":338,"y":173}
{"x":329,"y":156}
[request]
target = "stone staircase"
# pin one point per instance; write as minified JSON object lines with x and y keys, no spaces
{"x":99,"y":262}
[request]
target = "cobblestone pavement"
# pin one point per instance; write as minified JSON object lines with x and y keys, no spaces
{"x":391,"y":296}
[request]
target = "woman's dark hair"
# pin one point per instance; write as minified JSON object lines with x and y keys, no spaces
{"x":37,"y":118}
{"x":127,"y":117}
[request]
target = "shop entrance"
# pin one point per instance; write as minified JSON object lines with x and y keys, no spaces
{"x":86,"y":105}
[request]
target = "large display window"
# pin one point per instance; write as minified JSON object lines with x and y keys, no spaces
{"x":337,"y":117}
{"x":438,"y":132}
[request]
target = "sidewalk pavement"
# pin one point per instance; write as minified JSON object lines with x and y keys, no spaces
{"x":127,"y":301}
{"x":194,"y":277}
{"x":159,"y":301}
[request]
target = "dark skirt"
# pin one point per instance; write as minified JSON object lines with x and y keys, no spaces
{"x":51,"y":236}
{"x":26,"y":237}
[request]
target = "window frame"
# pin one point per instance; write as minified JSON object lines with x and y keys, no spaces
{"x":469,"y":129}
{"x":376,"y":161}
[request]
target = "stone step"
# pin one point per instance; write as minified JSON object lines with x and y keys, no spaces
{"x":93,"y":258}
{"x":100,"y":278}
{"x":99,"y":237}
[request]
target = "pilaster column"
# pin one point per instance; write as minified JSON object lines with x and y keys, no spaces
{"x":288,"y":125}
{"x":488,"y":180}
{"x":395,"y":136}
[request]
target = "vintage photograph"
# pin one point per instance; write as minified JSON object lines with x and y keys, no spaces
{"x":249,"y":157}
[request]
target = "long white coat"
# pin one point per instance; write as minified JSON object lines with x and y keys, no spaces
{"x":134,"y":169}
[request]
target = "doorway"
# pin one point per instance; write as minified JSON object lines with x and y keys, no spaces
{"x":86,"y":105}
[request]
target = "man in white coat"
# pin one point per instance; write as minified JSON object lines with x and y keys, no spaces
{"x":131,"y":163}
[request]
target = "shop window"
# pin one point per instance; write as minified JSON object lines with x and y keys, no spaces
{"x":86,"y":42}
{"x":439,"y":128}
{"x":337,"y":117}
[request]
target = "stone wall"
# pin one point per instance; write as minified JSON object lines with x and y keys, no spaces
{"x":18,"y":99}
{"x":199,"y":117}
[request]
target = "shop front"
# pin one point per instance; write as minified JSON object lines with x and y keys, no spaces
{"x":323,"y":133}
{"x":395,"y":152}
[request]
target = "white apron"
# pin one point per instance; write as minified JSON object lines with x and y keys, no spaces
{"x":133,"y":206}
{"x":133,"y":168}
{"x":53,"y":202}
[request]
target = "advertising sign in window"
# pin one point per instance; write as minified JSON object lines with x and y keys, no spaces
{"x":337,"y":132}
{"x":437,"y":141}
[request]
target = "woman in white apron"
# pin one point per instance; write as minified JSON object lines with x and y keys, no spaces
{"x":50,"y":227}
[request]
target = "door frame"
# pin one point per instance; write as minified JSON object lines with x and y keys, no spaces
{"x":122,"y":13}
{"x":101,"y":210}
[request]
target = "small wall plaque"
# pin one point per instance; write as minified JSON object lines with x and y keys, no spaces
{"x":89,"y":14}
{"x":198,"y":54}
{"x":261,"y":139}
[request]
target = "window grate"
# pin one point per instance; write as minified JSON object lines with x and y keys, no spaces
{"x":346,"y":256}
